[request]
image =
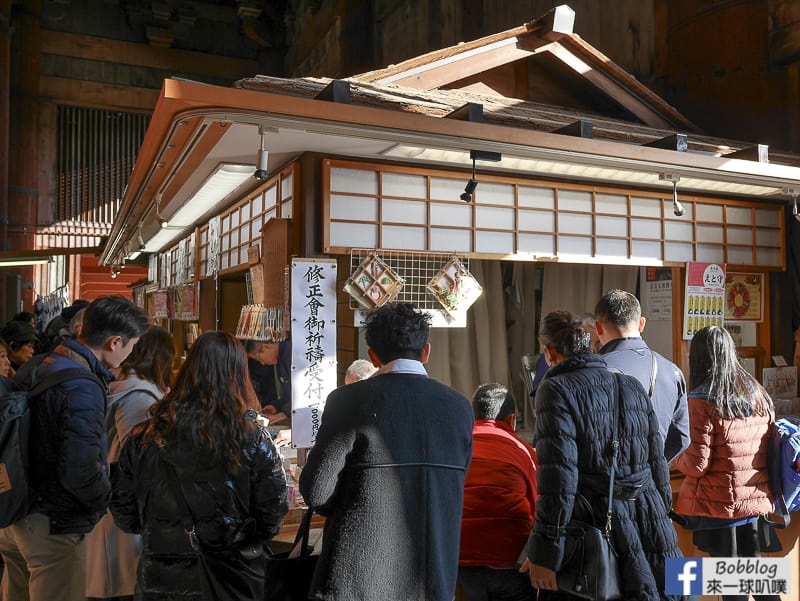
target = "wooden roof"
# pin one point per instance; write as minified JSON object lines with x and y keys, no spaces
{"x":472,"y":75}
{"x":548,"y":38}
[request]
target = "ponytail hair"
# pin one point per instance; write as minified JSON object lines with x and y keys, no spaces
{"x":564,"y":333}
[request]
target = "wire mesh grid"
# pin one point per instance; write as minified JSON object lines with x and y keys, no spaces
{"x":416,"y":268}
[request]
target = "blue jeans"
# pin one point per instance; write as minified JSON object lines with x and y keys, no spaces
{"x":489,"y":584}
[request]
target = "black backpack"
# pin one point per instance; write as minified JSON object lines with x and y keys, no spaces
{"x":15,"y":420}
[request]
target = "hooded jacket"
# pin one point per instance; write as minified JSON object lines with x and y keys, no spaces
{"x":68,"y":467}
{"x":113,"y":555}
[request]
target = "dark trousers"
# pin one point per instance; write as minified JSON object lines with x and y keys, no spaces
{"x":489,"y":584}
{"x":746,"y":540}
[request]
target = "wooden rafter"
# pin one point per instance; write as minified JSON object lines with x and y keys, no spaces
{"x":553,"y":35}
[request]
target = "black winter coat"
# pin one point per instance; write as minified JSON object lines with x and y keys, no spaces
{"x":145,"y":500}
{"x":388,"y":470}
{"x":68,"y":468}
{"x":574,"y":426}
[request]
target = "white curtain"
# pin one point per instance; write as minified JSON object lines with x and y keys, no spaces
{"x":577,"y":288}
{"x":467,"y":357}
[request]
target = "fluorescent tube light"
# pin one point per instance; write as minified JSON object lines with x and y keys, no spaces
{"x":214,"y":190}
{"x":207,"y":200}
{"x":23,"y":261}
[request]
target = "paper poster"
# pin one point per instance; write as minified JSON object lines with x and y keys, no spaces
{"x":744,"y":297}
{"x":160,"y":304}
{"x":704,"y":300}
{"x":658,"y":281}
{"x":313,"y":287}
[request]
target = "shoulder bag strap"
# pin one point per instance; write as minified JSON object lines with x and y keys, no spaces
{"x":187,"y":518}
{"x":62,"y":375}
{"x":614,"y":454}
{"x":653,"y":374}
{"x":300,"y":545}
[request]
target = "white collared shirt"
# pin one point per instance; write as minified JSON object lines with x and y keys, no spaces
{"x":402,"y":366}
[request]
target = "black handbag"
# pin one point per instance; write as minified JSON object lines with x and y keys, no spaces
{"x":234,"y":574}
{"x":288,"y":575}
{"x":590,"y":568}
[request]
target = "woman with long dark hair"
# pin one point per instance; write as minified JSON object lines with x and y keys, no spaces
{"x":201,"y":480}
{"x":144,"y":378}
{"x":576,"y":405}
{"x":726,"y":487}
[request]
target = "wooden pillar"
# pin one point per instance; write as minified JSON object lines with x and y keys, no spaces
{"x":23,"y":163}
{"x":5,"y":91}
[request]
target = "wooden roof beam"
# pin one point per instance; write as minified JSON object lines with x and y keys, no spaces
{"x":759,"y":152}
{"x":609,"y":86}
{"x":472,"y":111}
{"x":336,"y":91}
{"x":678,"y":142}
{"x":460,"y":66}
{"x":580,"y":128}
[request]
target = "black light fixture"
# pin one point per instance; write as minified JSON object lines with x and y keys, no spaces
{"x":477,"y":155}
{"x":677,"y":207}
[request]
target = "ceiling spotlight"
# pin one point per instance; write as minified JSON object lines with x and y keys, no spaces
{"x":114,"y":272}
{"x":477,"y":155}
{"x":677,"y":207}
{"x":466,"y":196}
{"x":794,"y":193}
{"x":162,"y":223}
{"x":263,"y":156}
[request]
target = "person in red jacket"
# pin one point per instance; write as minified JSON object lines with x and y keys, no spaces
{"x":499,"y":497}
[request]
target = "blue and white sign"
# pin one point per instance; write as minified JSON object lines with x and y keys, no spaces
{"x":727,"y":576}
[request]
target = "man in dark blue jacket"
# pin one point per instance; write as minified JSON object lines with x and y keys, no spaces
{"x":619,"y":324}
{"x":45,"y":552}
{"x":388,"y":470}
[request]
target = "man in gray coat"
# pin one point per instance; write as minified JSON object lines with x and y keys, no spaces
{"x":388,"y":470}
{"x":619,"y":324}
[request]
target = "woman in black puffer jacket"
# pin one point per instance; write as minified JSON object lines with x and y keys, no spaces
{"x":575,"y":407}
{"x":202,"y":443}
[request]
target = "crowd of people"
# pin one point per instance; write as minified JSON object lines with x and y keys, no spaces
{"x":139,"y":478}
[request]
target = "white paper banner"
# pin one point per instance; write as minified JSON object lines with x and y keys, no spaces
{"x":313,"y":344}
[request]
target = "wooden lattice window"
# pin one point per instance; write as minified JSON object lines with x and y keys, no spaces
{"x":95,"y":153}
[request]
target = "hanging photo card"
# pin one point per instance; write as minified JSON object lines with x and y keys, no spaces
{"x":454,"y":287}
{"x":373,"y":283}
{"x":704,"y":299}
{"x":188,"y":307}
{"x":744,"y":297}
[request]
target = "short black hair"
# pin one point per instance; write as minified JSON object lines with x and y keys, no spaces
{"x":23,"y":316}
{"x":562,"y":332}
{"x":618,"y":307}
{"x":252,"y":346}
{"x":112,"y":316}
{"x":397,"y":331}
{"x":493,"y":401}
